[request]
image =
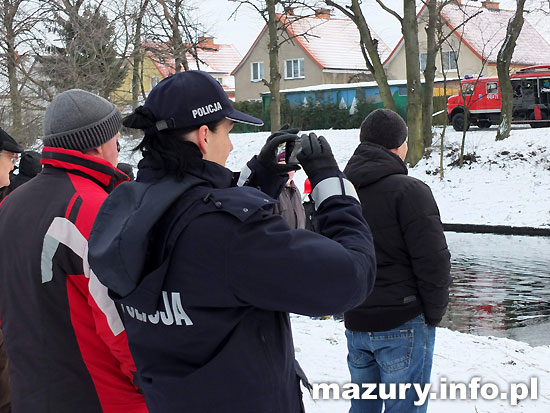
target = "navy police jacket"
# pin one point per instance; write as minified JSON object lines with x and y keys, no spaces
{"x":205,"y":275}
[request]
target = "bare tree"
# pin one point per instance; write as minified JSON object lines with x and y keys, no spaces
{"x":369,"y":47}
{"x":137,"y":53}
{"x":174,"y":13}
{"x":277,"y":25}
{"x":174,"y":35}
{"x":18,"y":22}
{"x":409,"y":29}
{"x":434,"y":40}
{"x":504,"y":58}
{"x":429,"y":70}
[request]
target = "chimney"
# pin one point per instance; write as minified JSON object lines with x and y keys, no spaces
{"x":322,"y":14}
{"x":490,"y":4}
{"x":206,"y":41}
{"x":289,"y":11}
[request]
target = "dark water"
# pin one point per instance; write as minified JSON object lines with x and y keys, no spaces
{"x":501,"y":286}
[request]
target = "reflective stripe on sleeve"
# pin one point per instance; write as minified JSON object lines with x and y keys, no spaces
{"x":332,"y":187}
{"x":244,"y":176}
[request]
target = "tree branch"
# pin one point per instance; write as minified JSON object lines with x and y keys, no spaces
{"x":390,"y":11}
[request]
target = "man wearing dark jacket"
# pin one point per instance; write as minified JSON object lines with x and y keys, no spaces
{"x":205,"y":273}
{"x":65,"y":339}
{"x":391,"y":334}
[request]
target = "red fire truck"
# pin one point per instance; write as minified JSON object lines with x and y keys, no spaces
{"x":480,"y":100}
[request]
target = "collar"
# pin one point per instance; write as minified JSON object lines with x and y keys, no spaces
{"x":216,"y":175}
{"x":88,"y":166}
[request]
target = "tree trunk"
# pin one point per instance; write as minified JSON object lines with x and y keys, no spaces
{"x":274,"y":83}
{"x":414,"y":86}
{"x":429,"y":74}
{"x":442,"y":137}
{"x":504,"y":58}
{"x":372,"y":48}
{"x":137,"y":58}
{"x":180,"y":59}
{"x":372,"y":61}
{"x":11,"y":63}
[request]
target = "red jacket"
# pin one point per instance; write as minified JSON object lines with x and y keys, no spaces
{"x":66,"y":343}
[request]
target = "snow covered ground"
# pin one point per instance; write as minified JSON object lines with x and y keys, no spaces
{"x":508,"y":184}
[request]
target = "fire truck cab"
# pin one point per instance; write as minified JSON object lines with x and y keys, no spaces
{"x":480,"y":101}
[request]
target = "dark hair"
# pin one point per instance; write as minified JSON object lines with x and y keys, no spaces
{"x":171,"y":149}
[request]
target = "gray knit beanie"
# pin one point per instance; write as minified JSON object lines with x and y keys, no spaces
{"x":80,"y":120}
{"x":384,"y":127}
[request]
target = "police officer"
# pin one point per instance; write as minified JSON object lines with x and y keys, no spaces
{"x":204,"y":272}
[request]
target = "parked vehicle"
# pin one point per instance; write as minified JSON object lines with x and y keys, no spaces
{"x":480,"y":102}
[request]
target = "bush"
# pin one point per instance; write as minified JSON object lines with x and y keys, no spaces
{"x":252,"y":109}
{"x":324,"y":116}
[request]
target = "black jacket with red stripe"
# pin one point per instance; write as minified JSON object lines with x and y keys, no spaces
{"x":67,"y":346}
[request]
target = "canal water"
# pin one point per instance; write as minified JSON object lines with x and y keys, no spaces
{"x":501,"y":286}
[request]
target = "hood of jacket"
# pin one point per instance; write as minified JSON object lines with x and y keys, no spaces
{"x":119,"y":241}
{"x":371,"y":162}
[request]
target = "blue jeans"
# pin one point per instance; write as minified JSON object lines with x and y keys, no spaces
{"x":401,"y":355}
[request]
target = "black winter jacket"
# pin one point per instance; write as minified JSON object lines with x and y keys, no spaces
{"x":206,"y":274}
{"x":413,"y":262}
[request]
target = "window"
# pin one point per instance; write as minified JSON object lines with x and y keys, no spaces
{"x":423,"y":59}
{"x":468,"y":89}
{"x":449,"y":60}
{"x":154,"y":81}
{"x":294,"y":69}
{"x":402,"y":91}
{"x":492,"y":88}
{"x":256,"y":71}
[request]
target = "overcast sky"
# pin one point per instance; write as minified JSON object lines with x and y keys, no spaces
{"x":243,"y":29}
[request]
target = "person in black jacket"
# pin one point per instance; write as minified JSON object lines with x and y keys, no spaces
{"x":203,"y":270}
{"x":290,"y":200}
{"x":391,"y":334}
{"x":29,"y":167}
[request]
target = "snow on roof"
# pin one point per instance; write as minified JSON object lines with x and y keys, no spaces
{"x":213,"y":58}
{"x":331,"y":43}
{"x":333,"y":86}
{"x":485,"y":33}
{"x":334,"y":43}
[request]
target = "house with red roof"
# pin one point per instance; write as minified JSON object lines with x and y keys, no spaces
{"x":473,"y":47}
{"x":217,"y":59}
{"x":319,"y":50}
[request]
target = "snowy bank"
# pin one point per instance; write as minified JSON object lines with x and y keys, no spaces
{"x":508,"y":184}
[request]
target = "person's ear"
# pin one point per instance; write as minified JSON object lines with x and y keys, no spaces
{"x":97,"y":152}
{"x":202,"y":135}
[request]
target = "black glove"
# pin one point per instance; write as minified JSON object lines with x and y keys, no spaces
{"x":268,"y":154}
{"x":315,"y":154}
